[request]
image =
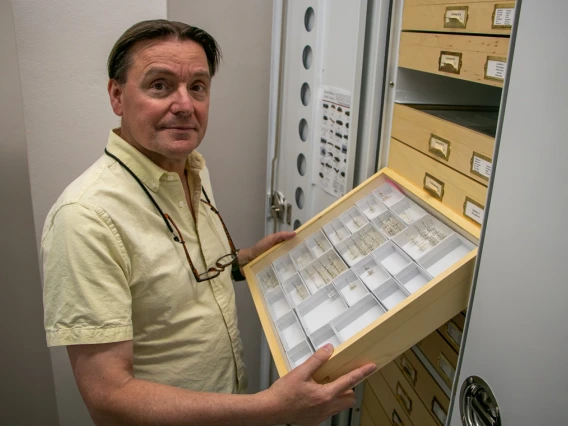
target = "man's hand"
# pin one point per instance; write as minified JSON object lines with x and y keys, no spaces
{"x":249,"y":254}
{"x":303,"y":401}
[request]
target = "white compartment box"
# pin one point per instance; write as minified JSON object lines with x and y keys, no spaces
{"x":392,"y":257}
{"x":361,"y":243}
{"x":408,"y":211}
{"x":295,"y":289}
{"x":389,"y":224}
{"x":371,"y":206}
{"x":388,"y":194}
{"x":318,"y":243}
{"x":336,"y":231}
{"x":320,"y":308}
{"x":350,"y":287}
{"x":290,"y":331}
{"x":323,"y":270}
{"x":301,"y":256}
{"x":267,"y":279}
{"x":299,"y":354}
{"x":357,"y":317}
{"x":324,"y":335}
{"x":277,"y":303}
{"x":284,"y":267}
{"x":413,"y":278}
{"x":354,"y":219}
{"x":390,"y":293}
{"x":445,"y":254}
{"x":371,"y":272}
{"x":423,"y":235}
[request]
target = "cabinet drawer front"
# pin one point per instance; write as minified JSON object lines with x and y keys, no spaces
{"x":460,"y":193}
{"x":441,"y":355}
{"x":453,"y":331}
{"x":395,"y":413}
{"x":407,"y":396}
{"x":491,"y":18}
{"x":366,"y":419}
{"x":373,"y":406}
{"x":465,"y":150}
{"x":473,"y":58}
{"x":433,"y":397}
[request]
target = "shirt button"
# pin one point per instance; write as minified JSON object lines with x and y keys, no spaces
{"x":154,"y":185}
{"x":171,"y":177}
{"x":181,"y":203}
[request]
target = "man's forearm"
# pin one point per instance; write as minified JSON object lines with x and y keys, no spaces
{"x":140,"y":402}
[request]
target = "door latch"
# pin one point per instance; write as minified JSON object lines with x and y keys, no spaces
{"x":478,"y":406}
{"x":280,"y":210}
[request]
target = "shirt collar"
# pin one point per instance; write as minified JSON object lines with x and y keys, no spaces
{"x":144,"y":168}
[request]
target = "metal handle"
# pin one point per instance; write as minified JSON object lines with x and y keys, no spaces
{"x":478,"y":406}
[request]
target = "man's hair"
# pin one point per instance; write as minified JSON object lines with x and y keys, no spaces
{"x":120,"y":57}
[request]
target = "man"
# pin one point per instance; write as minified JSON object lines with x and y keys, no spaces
{"x":137,"y":260}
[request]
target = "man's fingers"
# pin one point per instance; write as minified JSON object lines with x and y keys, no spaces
{"x":283,"y":236}
{"x":313,"y":363}
{"x":349,"y":380}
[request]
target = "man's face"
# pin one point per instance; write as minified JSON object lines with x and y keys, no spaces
{"x":164,"y":103}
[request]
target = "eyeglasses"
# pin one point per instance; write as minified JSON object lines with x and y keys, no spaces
{"x":222,"y":263}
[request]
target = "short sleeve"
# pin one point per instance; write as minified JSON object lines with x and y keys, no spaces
{"x":86,"y":295}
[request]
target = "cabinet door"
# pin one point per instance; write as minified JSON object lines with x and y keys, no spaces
{"x":516,"y":336}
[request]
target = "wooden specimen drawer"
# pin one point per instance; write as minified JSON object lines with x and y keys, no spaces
{"x":372,"y":410}
{"x":407,"y":396}
{"x":390,"y":404}
{"x":373,"y":274}
{"x":453,"y":331}
{"x":441,"y":355}
{"x":469,"y":16}
{"x":473,"y":58}
{"x":460,"y":137}
{"x":460,"y":193}
{"x":433,"y":397}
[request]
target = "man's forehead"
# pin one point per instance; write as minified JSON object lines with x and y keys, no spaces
{"x":158,"y":56}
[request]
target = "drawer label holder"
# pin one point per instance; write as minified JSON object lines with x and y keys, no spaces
{"x":408,"y":370}
{"x":403,"y":398}
{"x":439,"y":413}
{"x":447,"y":369}
{"x":495,"y":68}
{"x":454,"y":333}
{"x":439,"y":147}
{"x":473,"y":211}
{"x":503,"y":15}
{"x":433,"y":186}
{"x":456,"y":17}
{"x":396,"y":419}
{"x":450,"y":62}
{"x":480,"y":165}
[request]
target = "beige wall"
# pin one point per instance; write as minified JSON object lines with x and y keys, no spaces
{"x":27,"y":395}
{"x":235,"y":146}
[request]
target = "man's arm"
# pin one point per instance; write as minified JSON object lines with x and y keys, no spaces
{"x":104,"y":375}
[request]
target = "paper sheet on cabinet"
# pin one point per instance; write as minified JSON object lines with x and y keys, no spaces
{"x":334,"y":135}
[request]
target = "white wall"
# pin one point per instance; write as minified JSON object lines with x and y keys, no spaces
{"x":235,"y":146}
{"x":62,"y":48}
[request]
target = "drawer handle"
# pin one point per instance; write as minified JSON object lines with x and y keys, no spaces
{"x":408,"y":370}
{"x":447,"y":369}
{"x":450,"y":62}
{"x":495,"y":68}
{"x":439,"y":413}
{"x":439,"y":147}
{"x":456,"y":17}
{"x":433,"y":186}
{"x":403,"y":398}
{"x":396,"y":419}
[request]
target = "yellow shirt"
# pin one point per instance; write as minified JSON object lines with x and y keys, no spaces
{"x":112,"y":272}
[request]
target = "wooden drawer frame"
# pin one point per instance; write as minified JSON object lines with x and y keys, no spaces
{"x":418,"y":129}
{"x":373,"y":407}
{"x":423,"y":52}
{"x":404,"y":325}
{"x":390,"y":404}
{"x":479,"y":17}
{"x":452,"y":188}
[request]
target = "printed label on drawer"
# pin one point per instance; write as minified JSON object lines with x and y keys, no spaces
{"x":450,"y":62}
{"x":439,"y":147}
{"x":473,"y":210}
{"x":408,"y":370}
{"x":495,"y":68}
{"x":396,"y":419}
{"x":481,"y":165}
{"x":403,"y":398}
{"x":439,"y":413}
{"x":454,"y":333}
{"x":455,"y":17}
{"x":446,"y":367}
{"x":433,"y":186}
{"x":503,"y":15}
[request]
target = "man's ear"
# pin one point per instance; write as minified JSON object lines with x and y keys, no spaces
{"x":115,"y":95}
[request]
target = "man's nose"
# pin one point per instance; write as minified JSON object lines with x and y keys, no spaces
{"x":182,"y":102}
